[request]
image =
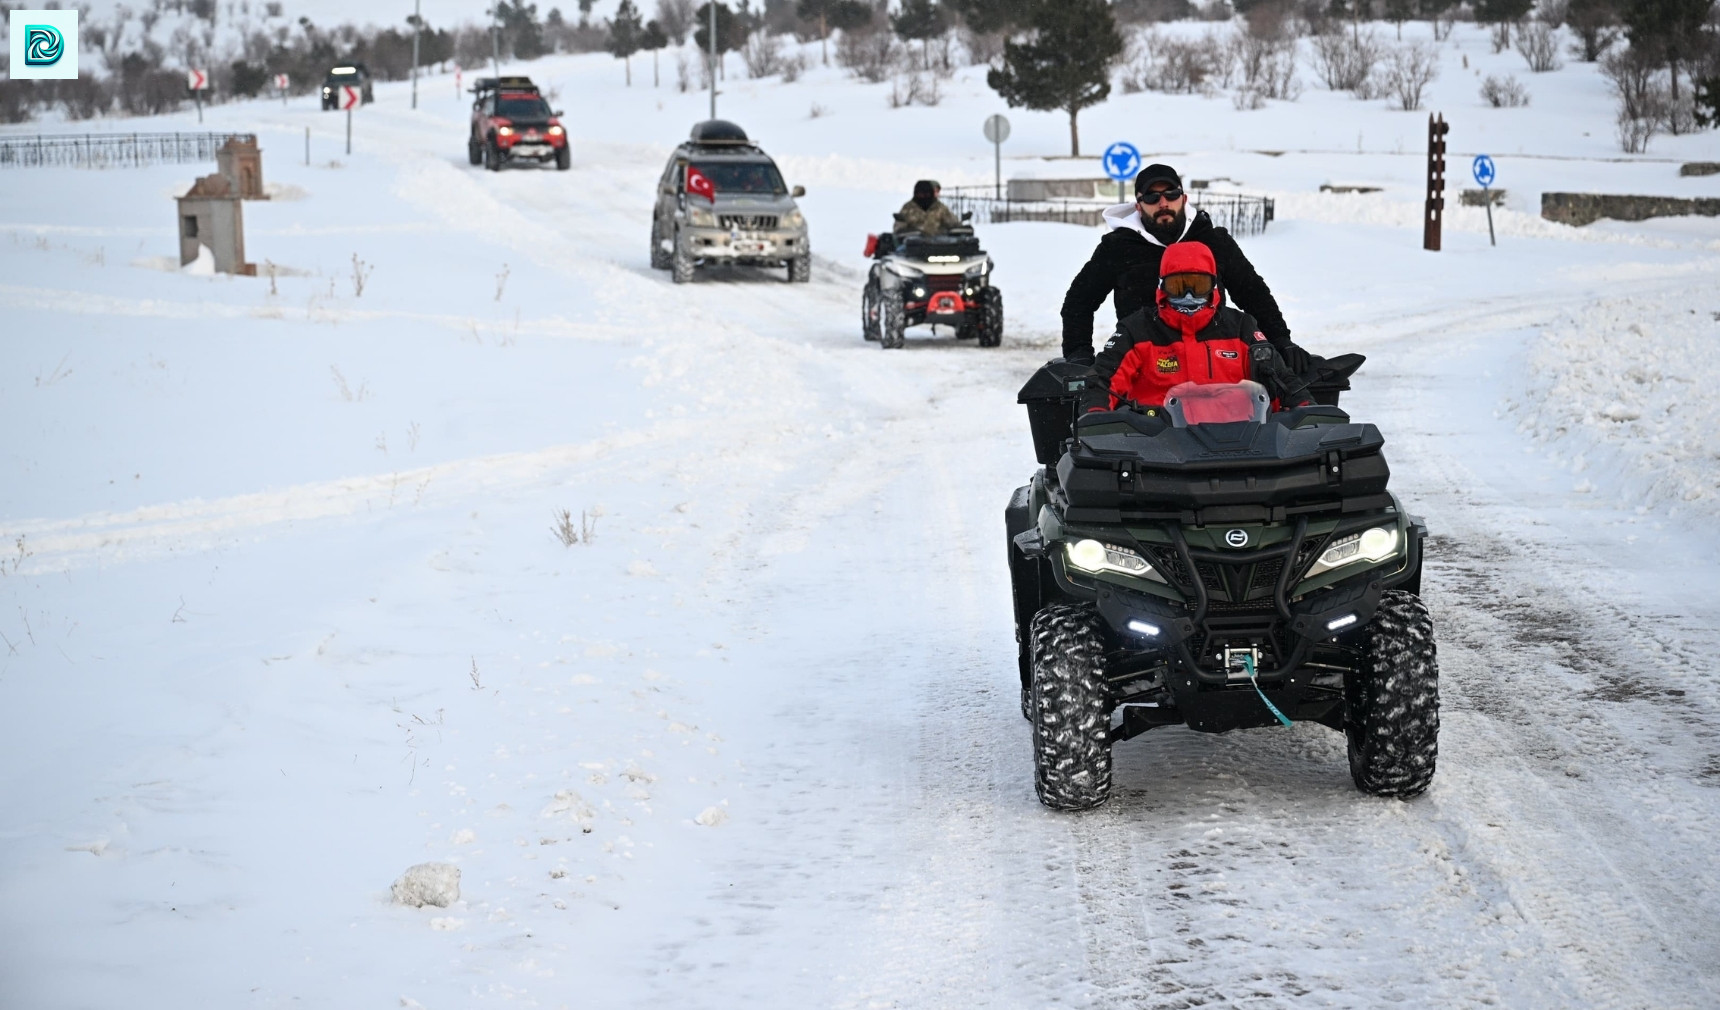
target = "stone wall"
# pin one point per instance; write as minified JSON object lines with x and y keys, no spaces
{"x":1585,"y":208}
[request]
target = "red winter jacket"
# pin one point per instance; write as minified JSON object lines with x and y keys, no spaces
{"x":1154,"y":351}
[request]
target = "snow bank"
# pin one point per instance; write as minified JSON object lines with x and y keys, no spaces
{"x":428,"y":884}
{"x":1626,"y":393}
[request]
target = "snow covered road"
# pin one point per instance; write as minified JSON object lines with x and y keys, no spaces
{"x":757,"y":742}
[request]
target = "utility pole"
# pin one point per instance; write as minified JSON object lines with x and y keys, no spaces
{"x":417,"y":30}
{"x":713,"y":6}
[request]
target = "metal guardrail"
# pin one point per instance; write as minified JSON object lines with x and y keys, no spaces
{"x":1238,"y":213}
{"x":112,"y":150}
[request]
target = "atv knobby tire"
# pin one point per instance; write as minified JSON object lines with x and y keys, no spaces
{"x":1392,"y":721}
{"x":800,"y":269}
{"x":871,"y":309}
{"x":681,"y":263}
{"x":892,"y":320}
{"x":1071,"y":709}
{"x":991,"y":317}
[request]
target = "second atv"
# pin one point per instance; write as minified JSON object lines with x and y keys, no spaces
{"x":942,"y":280}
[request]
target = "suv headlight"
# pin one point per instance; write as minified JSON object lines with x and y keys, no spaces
{"x":793,"y":219}
{"x":701,"y":218}
{"x":1095,"y":557}
{"x":1376,"y":544}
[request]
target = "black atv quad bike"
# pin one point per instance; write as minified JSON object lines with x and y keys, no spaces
{"x":943,"y":280}
{"x":1213,"y":564}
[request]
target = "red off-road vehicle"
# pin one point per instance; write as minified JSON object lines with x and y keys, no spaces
{"x":512,"y":122}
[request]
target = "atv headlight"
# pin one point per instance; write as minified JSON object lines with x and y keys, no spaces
{"x":1376,"y":544}
{"x":1095,"y":557}
{"x":902,"y":270}
{"x":974,"y":272}
{"x":699,"y":218}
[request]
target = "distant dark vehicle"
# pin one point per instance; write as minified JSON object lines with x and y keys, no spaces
{"x":512,"y":122}
{"x":343,"y":76}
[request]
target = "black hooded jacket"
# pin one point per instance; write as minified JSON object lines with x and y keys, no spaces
{"x":1126,"y":266}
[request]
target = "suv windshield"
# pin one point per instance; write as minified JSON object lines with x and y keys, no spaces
{"x":522,"y":108}
{"x":743,"y":176}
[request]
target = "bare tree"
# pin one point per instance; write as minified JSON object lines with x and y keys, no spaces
{"x":1408,"y":72}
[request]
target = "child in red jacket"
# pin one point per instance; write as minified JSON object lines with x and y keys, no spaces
{"x":1190,"y":336}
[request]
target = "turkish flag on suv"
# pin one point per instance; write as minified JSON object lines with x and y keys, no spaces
{"x":699,"y":184}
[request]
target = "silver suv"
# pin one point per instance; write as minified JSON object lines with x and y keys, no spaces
{"x":736,"y":210}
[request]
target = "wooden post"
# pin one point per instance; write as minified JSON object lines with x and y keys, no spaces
{"x":1434,"y":213}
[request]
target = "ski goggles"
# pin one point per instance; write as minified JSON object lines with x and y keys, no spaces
{"x":1152,"y":199}
{"x":1184,"y":285}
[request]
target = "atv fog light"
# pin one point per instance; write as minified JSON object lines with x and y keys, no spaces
{"x":1150,"y":630}
{"x":1093,"y":556}
{"x":1376,"y":544}
{"x":919,"y":292}
{"x":1342,"y":622}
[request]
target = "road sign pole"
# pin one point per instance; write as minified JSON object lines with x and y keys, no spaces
{"x":1486,"y":173}
{"x":417,"y":30}
{"x":997,"y":170}
{"x":199,"y":96}
{"x":307,"y":145}
{"x":1487,"y":197}
{"x":349,"y":131}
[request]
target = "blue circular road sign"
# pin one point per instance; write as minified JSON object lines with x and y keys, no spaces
{"x":1122,"y":161}
{"x":1484,"y":171}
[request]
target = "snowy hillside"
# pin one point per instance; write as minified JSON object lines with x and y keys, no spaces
{"x":284,"y":613}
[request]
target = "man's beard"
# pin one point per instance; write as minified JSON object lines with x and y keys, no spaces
{"x":924,"y":202}
{"x":1166,"y":233}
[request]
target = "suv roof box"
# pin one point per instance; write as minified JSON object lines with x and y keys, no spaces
{"x":718,"y":131}
{"x":503,"y":84}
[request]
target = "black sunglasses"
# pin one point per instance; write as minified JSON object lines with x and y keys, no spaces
{"x":1165,"y":196}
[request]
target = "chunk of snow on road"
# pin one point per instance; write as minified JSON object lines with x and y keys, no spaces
{"x":94,"y":848}
{"x":712,"y":817}
{"x":464,"y":836}
{"x":642,"y":568}
{"x":1616,"y":411}
{"x":435,"y":884}
{"x":447,"y":923}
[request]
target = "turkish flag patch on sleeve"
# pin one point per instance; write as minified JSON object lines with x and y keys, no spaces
{"x":699,"y":184}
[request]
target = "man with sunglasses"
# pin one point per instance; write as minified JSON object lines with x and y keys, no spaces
{"x":1126,"y":266}
{"x":1189,"y":335}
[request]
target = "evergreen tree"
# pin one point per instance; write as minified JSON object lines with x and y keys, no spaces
{"x":988,"y":16}
{"x":845,"y":15}
{"x":918,"y":20}
{"x":654,"y":42}
{"x":731,"y":34}
{"x":1669,"y":30}
{"x":1595,"y":23}
{"x":626,"y":36}
{"x":1066,"y":65}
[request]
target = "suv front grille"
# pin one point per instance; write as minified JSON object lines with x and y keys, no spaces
{"x":748,"y":222}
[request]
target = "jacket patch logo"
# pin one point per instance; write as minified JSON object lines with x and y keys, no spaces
{"x":1259,"y":336}
{"x":1169,"y":364}
{"x":1229,"y":354}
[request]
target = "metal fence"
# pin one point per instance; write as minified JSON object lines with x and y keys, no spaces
{"x":1237,"y":213}
{"x":112,"y":150}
